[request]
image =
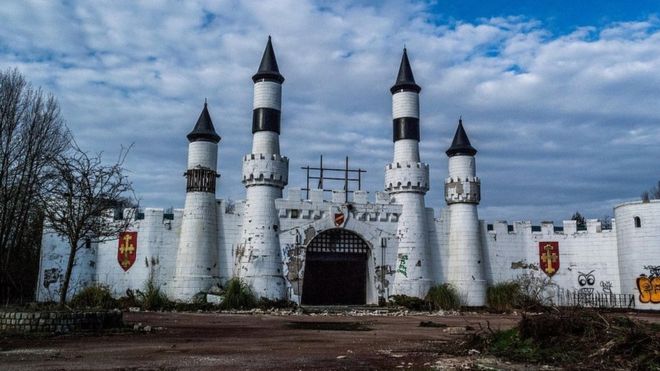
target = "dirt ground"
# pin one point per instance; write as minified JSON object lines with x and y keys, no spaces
{"x":258,"y":342}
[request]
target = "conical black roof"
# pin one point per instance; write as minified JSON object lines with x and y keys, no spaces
{"x":405,"y":80}
{"x":461,"y":144}
{"x":204,"y":129}
{"x":268,"y":68}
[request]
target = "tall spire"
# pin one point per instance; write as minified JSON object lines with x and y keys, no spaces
{"x":268,"y":68}
{"x":204,"y":129}
{"x":461,"y":144}
{"x":405,"y":80}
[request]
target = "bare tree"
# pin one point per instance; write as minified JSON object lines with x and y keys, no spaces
{"x":81,"y":195}
{"x":32,"y":135}
{"x":606,"y":222}
{"x":654,"y":192}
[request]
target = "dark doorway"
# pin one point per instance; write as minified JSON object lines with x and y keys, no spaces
{"x":335,"y":269}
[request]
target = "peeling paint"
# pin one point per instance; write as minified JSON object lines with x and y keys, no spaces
{"x":521,"y":264}
{"x":310,"y":233}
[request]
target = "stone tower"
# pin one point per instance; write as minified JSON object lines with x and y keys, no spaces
{"x":462,"y":194}
{"x":407,"y":181}
{"x":197,"y":256}
{"x":265,"y":174}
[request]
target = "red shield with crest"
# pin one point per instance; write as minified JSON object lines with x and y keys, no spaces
{"x":127,"y":251}
{"x":339,"y":219}
{"x":549,"y":257}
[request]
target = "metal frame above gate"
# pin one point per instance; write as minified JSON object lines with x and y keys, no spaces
{"x":333,"y":176}
{"x":338,"y":241}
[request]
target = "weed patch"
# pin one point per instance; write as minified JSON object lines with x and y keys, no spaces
{"x":152,"y":298}
{"x":504,"y":297}
{"x":443,"y":297}
{"x":410,"y":302}
{"x":238,"y":296}
{"x":579,"y":338}
{"x":96,"y":296}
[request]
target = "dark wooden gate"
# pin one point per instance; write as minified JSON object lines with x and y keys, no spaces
{"x":335,"y":269}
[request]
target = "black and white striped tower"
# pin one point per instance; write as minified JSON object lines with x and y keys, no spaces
{"x":197,"y":257}
{"x":407,"y":181}
{"x":462,"y":194}
{"x":265,"y":174}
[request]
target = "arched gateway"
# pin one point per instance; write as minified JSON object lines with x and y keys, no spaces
{"x":335,"y":269}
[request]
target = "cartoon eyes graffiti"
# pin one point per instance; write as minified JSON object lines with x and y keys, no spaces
{"x":586,"y":279}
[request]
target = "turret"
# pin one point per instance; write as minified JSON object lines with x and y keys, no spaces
{"x":407,"y":181}
{"x":265,"y":174}
{"x":462,"y":194}
{"x":197,"y":256}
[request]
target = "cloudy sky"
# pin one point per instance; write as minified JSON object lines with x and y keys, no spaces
{"x":561,"y":98}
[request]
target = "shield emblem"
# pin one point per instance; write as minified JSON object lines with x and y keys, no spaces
{"x":127,"y":251}
{"x":549,"y":257}
{"x":339,"y":219}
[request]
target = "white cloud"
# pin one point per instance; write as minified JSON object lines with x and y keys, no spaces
{"x":561,"y":122}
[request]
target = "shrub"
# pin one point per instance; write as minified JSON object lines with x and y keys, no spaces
{"x":238,"y":295}
{"x":94,"y":296}
{"x":504,"y":296}
{"x":535,"y":292}
{"x":152,"y":298}
{"x":410,"y":302}
{"x":265,"y":303}
{"x":443,"y":297}
{"x":128,"y":301}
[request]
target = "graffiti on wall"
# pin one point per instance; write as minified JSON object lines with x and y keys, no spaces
{"x":51,"y":276}
{"x":402,"y":265}
{"x":649,"y":285}
{"x":586,"y":282}
{"x":607,"y":287}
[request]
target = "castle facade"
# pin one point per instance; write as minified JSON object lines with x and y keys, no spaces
{"x":351,"y":248}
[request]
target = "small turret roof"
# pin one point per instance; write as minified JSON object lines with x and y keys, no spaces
{"x":268,"y":68}
{"x":461,"y":144}
{"x":405,"y":79}
{"x":204,"y":129}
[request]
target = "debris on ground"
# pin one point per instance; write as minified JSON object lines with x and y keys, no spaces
{"x":582,"y":338}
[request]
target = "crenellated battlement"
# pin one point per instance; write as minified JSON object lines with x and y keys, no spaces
{"x":266,"y":169}
{"x":407,"y":177}
{"x":568,"y":227}
{"x":462,"y":190}
{"x":316,"y":207}
{"x":152,"y":216}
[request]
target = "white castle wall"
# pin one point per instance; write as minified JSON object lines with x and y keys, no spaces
{"x":465,"y":269}
{"x":230,"y":223}
{"x":412,"y":272}
{"x":639,"y":251}
{"x":512,"y":251}
{"x":405,"y":104}
{"x":259,"y":255}
{"x":202,"y":154}
{"x":267,"y":94}
{"x":509,"y":251}
{"x":52,"y":267}
{"x":157,"y":241}
{"x":197,"y":255}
